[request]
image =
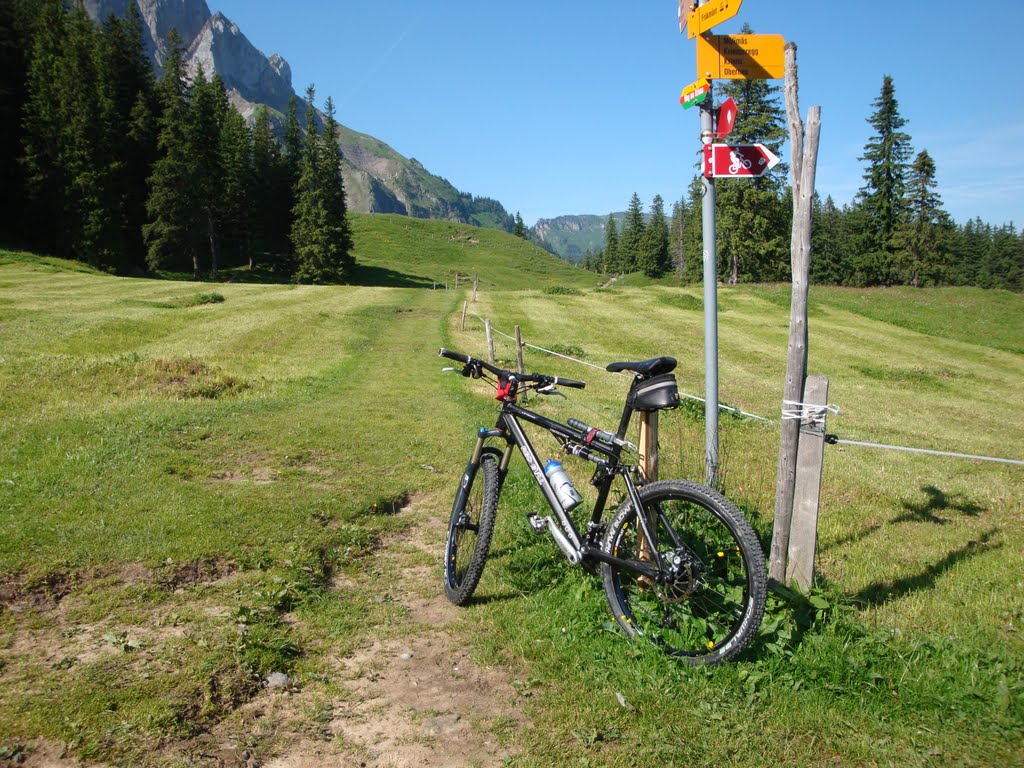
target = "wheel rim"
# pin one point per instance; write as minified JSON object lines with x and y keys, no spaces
{"x":703,"y":602}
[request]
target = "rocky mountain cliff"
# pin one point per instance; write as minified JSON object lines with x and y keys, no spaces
{"x":377,"y":178}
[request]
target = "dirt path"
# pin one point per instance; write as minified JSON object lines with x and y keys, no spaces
{"x":414,"y":698}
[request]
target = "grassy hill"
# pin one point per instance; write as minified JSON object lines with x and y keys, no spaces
{"x":402,"y":251}
{"x":196,"y":493}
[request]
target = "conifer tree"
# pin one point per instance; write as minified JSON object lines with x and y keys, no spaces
{"x":207,"y":112}
{"x":271,"y":193}
{"x":693,"y":237}
{"x":519,"y":228}
{"x":631,"y":242}
{"x":174,"y":230}
{"x":611,"y":246}
{"x":17,"y":30}
{"x":320,"y":235}
{"x":69,"y":147}
{"x":882,"y":196}
{"x":676,"y":243}
{"x":654,"y":260}
{"x":45,"y":175}
{"x":132,"y":85}
{"x":829,"y":254}
{"x":239,"y":189}
{"x":923,"y":240}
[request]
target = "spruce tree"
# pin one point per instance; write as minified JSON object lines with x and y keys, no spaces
{"x":271,"y":210}
{"x":239,"y":188}
{"x":611,"y":246}
{"x":676,"y":242}
{"x":654,"y":259}
{"x":882,"y":196}
{"x":829,"y":256}
{"x":519,"y":228}
{"x":631,"y":243}
{"x":320,"y":235}
{"x":207,"y":112}
{"x":173,"y":233}
{"x":70,"y":148}
{"x":17,"y":30}
{"x":133,"y":88}
{"x":923,"y":240}
{"x":44,"y":173}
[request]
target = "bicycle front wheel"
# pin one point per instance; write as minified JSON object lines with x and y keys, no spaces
{"x":470,"y":527}
{"x":708,"y":602}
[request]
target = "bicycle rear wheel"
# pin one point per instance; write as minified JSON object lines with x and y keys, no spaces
{"x":710,"y":602}
{"x":470,"y":527}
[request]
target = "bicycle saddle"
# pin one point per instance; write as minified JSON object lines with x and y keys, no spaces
{"x":653,"y":367}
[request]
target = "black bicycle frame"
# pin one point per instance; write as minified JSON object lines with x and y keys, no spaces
{"x":509,"y":428}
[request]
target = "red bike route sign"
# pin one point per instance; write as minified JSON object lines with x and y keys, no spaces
{"x":737,"y":160}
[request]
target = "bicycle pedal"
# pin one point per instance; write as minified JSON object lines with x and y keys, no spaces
{"x":536,"y":522}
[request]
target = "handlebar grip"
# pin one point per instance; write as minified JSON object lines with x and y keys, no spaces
{"x":453,"y":355}
{"x":577,"y":424}
{"x":560,"y":382}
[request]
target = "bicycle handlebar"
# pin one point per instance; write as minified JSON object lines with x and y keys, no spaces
{"x":535,"y":377}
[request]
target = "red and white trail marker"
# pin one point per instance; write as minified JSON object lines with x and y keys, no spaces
{"x":737,"y":160}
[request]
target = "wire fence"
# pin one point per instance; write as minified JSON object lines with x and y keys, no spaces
{"x":810,"y":415}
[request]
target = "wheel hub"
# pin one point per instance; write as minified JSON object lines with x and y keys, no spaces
{"x":683,"y":574}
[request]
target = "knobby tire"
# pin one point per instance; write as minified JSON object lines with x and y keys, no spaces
{"x":470,"y":529}
{"x":713,"y":605}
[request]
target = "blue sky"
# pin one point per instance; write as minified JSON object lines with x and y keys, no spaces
{"x":568,"y":107}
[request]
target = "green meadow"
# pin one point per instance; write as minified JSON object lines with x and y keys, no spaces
{"x":188,"y":471}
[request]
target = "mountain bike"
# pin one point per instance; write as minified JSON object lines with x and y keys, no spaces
{"x":680,"y":565}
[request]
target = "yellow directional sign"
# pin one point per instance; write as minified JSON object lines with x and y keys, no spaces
{"x":710,"y":13}
{"x":741,"y":57}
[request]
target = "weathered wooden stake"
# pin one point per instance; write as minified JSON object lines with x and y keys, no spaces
{"x":476,"y":282}
{"x":519,"y":356}
{"x":519,"y":350}
{"x":465,"y":306}
{"x":803,"y":538}
{"x":648,"y":467}
{"x":490,"y":342}
{"x":649,"y":445}
{"x":803,"y":162}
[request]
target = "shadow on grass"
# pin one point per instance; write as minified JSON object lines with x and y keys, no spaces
{"x":364,"y":275}
{"x":925,"y":512}
{"x":881,"y":591}
{"x":381,"y":277}
{"x":937,"y":501}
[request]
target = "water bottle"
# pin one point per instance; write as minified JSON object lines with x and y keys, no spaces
{"x":567,"y":495}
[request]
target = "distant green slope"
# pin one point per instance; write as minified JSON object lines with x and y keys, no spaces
{"x":406,"y":252}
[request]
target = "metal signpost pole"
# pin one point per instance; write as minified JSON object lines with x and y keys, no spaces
{"x":710,"y":303}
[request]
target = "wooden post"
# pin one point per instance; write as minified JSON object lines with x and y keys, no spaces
{"x":456,"y":280}
{"x":803,"y":537}
{"x":519,"y":356}
{"x":803,"y":162}
{"x":476,"y":281}
{"x":465,"y":306}
{"x":490,"y":342}
{"x":649,"y":445}
{"x":648,"y":467}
